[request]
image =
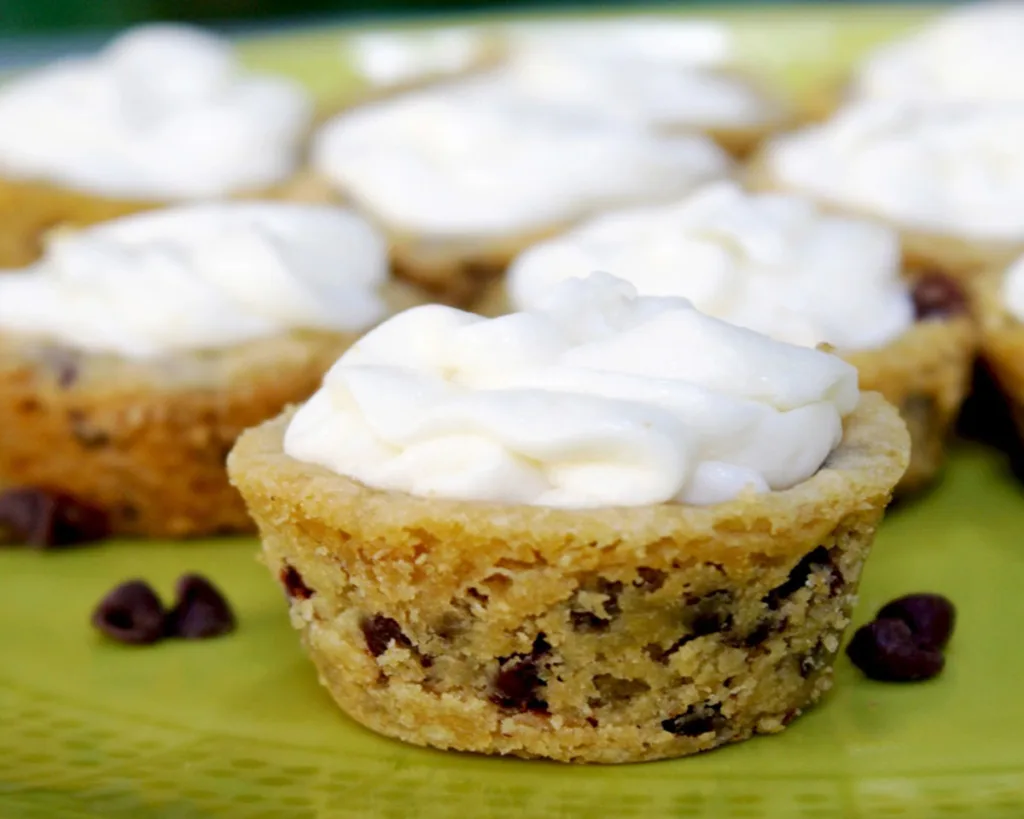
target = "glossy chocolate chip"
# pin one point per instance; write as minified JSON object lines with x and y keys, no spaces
{"x":711,"y":613}
{"x":131,"y":613}
{"x":518,"y":685}
{"x":43,"y":519}
{"x":886,"y":650}
{"x":696,"y":720}
{"x":930,"y":617}
{"x":815,"y":560}
{"x":938,"y":296}
{"x":294,"y":586}
{"x":200,"y":610}
{"x":380,"y":632}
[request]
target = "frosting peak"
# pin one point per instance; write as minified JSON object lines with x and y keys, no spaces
{"x":200,"y":276}
{"x":586,"y":402}
{"x":164,"y":112}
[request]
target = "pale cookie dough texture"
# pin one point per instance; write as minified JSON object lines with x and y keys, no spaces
{"x":574,"y":608}
{"x":134,"y":353}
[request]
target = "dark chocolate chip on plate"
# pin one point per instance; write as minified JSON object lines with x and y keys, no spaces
{"x":886,"y":650}
{"x":931,"y":617}
{"x":938,"y":296}
{"x":43,"y":519}
{"x":131,"y":613}
{"x":200,"y":610}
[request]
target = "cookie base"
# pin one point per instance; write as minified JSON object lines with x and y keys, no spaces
{"x":146,"y":442}
{"x":611,"y":635}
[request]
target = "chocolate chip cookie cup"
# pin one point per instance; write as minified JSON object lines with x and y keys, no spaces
{"x":135,"y":353}
{"x":586,"y":633}
{"x":946,"y":224}
{"x":163,"y":114}
{"x":461,"y":179}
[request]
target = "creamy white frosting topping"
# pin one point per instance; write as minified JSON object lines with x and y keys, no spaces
{"x":163,"y":112}
{"x":393,"y":58}
{"x":462,"y":162}
{"x":200,"y":276}
{"x":602,"y":398}
{"x":654,"y":40}
{"x":957,"y":170}
{"x":773,"y":263}
{"x":974,"y":53}
{"x":1013,"y":289}
{"x":650,"y":71}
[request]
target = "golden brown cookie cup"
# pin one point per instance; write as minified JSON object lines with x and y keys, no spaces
{"x":600,"y":635}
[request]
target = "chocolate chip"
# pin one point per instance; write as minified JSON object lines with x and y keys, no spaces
{"x":930,"y":617}
{"x":696,"y":720}
{"x":710,"y":614}
{"x":518,"y":683}
{"x":886,"y":650}
{"x":131,"y":613}
{"x":761,"y":631}
{"x":294,"y":585}
{"x":588,"y":621}
{"x":649,"y":580}
{"x":380,"y":632}
{"x":938,"y":296}
{"x":815,"y":560}
{"x":39,"y":518}
{"x":200,"y":610}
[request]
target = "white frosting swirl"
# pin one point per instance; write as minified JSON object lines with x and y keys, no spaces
{"x":656,"y":72}
{"x":602,"y":399}
{"x":957,"y":170}
{"x":200,"y":276}
{"x":164,"y":112}
{"x":652,"y":40}
{"x":773,"y":263}
{"x":463,"y":162}
{"x":971,"y":54}
{"x":393,"y":58}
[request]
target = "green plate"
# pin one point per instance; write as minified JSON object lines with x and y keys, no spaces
{"x":239,"y":727}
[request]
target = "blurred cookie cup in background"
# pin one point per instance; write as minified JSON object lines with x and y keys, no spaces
{"x":134,"y":352}
{"x":778,"y":264}
{"x":163,"y":114}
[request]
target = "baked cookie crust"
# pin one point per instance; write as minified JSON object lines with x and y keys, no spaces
{"x":606,"y":635}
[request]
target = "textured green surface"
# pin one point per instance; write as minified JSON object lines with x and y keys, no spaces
{"x":239,"y":727}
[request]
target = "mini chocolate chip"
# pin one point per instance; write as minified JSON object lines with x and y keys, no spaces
{"x":886,"y":650}
{"x":39,"y":518}
{"x":380,"y":632}
{"x":588,"y":621}
{"x":592,"y":722}
{"x":931,"y":618}
{"x":711,"y":614}
{"x":518,"y":682}
{"x":294,"y":585}
{"x":938,"y":296}
{"x":696,"y":720}
{"x":200,"y":610}
{"x":814,"y":560}
{"x":131,"y":613}
{"x":650,"y":580}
